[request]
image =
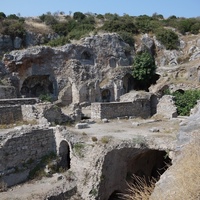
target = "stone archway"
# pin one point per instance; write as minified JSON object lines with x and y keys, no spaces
{"x":128,"y":83}
{"x":105,"y":95}
{"x":64,"y":153}
{"x":124,"y":165}
{"x":34,"y":86}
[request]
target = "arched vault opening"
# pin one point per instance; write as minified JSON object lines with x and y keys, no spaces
{"x":105,"y":95}
{"x":36,"y":85}
{"x":128,"y":83}
{"x":64,"y":153}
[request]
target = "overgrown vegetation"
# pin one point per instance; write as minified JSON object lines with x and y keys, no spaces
{"x":78,"y":148}
{"x":143,"y":69}
{"x":38,"y":171}
{"x":12,"y":25}
{"x":79,"y":25}
{"x":45,"y":97}
{"x":139,"y":189}
{"x":168,"y":38}
{"x":185,"y":100}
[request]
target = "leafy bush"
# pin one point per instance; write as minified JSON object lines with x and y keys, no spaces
{"x":2,"y":15}
{"x":78,"y":16}
{"x":48,"y":19}
{"x":61,"y":28}
{"x":45,"y":97}
{"x":146,"y":24}
{"x":168,"y":38}
{"x":12,"y":16}
{"x":99,"y":16}
{"x":120,"y":26}
{"x":80,"y":31}
{"x":58,"y":42}
{"x":127,"y":37}
{"x":143,"y":69}
{"x":189,"y":25}
{"x":94,"y":139}
{"x":12,"y":27}
{"x":186,"y":101}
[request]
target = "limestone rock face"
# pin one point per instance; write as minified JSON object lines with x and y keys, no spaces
{"x":173,"y":184}
{"x":5,"y":43}
{"x":75,"y":72}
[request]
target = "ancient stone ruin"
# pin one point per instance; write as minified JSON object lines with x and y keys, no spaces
{"x":99,"y":128}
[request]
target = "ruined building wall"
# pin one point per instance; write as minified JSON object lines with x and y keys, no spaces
{"x":10,"y":114}
{"x":7,"y":92}
{"x":137,"y":108}
{"x":21,"y":148}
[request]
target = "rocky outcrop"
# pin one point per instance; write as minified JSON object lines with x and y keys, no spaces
{"x":84,"y":70}
{"x":173,"y":184}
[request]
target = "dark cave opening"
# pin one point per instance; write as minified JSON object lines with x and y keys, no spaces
{"x":37,"y":85}
{"x":86,"y":55}
{"x":149,"y":165}
{"x":123,"y":166}
{"x":105,"y":95}
{"x":129,"y":83}
{"x":116,"y":195}
{"x":64,"y":153}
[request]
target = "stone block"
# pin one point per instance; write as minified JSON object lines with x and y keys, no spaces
{"x":82,"y":125}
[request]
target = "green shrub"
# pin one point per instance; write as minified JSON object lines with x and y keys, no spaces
{"x":58,"y":42}
{"x":61,"y":28}
{"x":2,"y":15}
{"x":168,"y":38}
{"x":189,"y":25}
{"x":127,"y":37}
{"x":12,"y":27}
{"x":48,"y":19}
{"x":45,"y":97}
{"x":12,"y":16}
{"x":105,"y":139}
{"x":186,"y":101}
{"x":110,"y":16}
{"x":78,"y":16}
{"x":143,"y":69}
{"x":80,"y":31}
{"x":143,"y":23}
{"x":120,"y":26}
{"x":94,"y":139}
{"x":99,"y":16}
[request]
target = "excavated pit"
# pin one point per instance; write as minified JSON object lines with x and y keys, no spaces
{"x":121,"y":165}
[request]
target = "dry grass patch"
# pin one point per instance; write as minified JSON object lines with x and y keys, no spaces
{"x":37,"y":27}
{"x":141,"y":189}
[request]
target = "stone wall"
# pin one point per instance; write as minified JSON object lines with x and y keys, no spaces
{"x":10,"y":114}
{"x":21,"y":148}
{"x":166,"y":107}
{"x":137,"y":108}
{"x":21,"y":101}
{"x":7,"y":92}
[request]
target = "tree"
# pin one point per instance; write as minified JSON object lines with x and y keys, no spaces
{"x":78,"y":16}
{"x":2,"y":15}
{"x":143,"y":69}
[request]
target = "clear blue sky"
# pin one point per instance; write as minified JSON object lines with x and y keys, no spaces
{"x":180,"y":8}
